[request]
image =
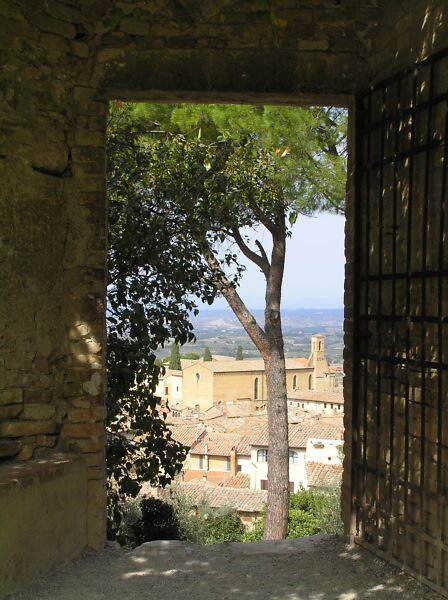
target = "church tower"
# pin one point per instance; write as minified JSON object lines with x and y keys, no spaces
{"x":321,"y":379}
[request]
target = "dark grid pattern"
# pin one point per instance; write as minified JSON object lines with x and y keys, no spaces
{"x":400,"y":386}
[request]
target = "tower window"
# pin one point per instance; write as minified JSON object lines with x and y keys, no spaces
{"x":256,"y":391}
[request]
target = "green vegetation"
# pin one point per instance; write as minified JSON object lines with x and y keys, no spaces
{"x":239,"y":353}
{"x":147,"y":519}
{"x":310,"y":512}
{"x":175,"y":363}
{"x":191,"y":356}
{"x":207,"y":354}
{"x":175,"y":518}
{"x":154,"y":275}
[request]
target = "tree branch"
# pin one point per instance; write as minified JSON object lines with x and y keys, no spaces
{"x":245,"y":317}
{"x":261,"y":261}
{"x":262,"y":250}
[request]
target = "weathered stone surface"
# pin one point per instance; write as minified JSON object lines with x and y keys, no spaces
{"x":21,"y":428}
{"x":11,"y":396}
{"x":82,"y":430}
{"x":40,"y":412}
{"x":87,"y":415}
{"x":36,"y":396}
{"x":26,"y":452}
{"x":9,"y":448}
{"x":11,"y":410}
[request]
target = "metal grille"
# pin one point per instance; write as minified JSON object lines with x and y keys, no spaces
{"x":400,"y":385}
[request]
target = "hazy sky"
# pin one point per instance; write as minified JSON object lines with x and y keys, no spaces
{"x":314,"y":274}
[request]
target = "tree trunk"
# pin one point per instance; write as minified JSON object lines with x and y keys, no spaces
{"x":276,"y":525}
{"x":269,"y":342}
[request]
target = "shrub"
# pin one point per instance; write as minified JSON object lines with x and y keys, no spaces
{"x":310,"y":512}
{"x":158,"y":522}
{"x":223,"y":526}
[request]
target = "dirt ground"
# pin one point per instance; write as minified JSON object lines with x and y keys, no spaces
{"x":316,"y":568}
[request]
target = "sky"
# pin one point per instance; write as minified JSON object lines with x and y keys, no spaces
{"x":314,"y":272}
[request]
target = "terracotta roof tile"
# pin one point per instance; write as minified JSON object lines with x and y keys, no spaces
{"x":187,"y":435}
{"x":221,"y":444}
{"x":240,"y":480}
{"x":242,"y":500}
{"x":299,"y":433}
{"x":323,"y":475}
{"x":335,"y":396}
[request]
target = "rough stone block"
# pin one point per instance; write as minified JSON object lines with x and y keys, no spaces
{"x":87,"y":415}
{"x":40,"y":412}
{"x":31,"y":396}
{"x":84,"y":430}
{"x":52,"y":25}
{"x":26,"y":452}
{"x":313,"y":45}
{"x":80,"y":49}
{"x":21,"y":428}
{"x":87,"y":445}
{"x":134,"y":26}
{"x":11,"y":396}
{"x":54,"y":42}
{"x":9,"y":448}
{"x":10,"y":411}
{"x":46,"y":440}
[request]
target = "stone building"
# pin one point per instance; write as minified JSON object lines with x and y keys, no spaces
{"x":219,"y":382}
{"x":62,"y":61}
{"x":322,"y":378}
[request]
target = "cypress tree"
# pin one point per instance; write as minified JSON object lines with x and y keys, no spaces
{"x":207,"y":354}
{"x":175,"y":358}
{"x":239,"y":353}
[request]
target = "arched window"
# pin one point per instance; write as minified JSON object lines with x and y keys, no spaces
{"x":293,"y":457}
{"x":198,"y":377}
{"x":262,"y":455}
{"x":256,"y":388}
{"x":310,"y":382}
{"x":294,"y":382}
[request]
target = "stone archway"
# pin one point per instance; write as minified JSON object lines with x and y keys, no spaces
{"x":64,"y":60}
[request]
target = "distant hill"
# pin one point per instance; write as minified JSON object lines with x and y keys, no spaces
{"x":222,"y":332}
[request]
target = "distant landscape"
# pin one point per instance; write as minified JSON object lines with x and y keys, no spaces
{"x":222,"y":333}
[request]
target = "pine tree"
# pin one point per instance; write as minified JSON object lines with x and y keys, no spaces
{"x":207,"y":354}
{"x":175,"y":358}
{"x":239,"y":353}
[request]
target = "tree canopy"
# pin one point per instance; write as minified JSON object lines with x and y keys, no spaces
{"x":154,"y":274}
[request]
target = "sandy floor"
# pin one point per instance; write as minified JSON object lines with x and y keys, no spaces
{"x":317,"y":568}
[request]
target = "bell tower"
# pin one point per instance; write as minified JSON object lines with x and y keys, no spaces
{"x":317,"y":360}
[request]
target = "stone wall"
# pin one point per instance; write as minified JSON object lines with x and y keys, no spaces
{"x":43,"y":509}
{"x":53,"y":244}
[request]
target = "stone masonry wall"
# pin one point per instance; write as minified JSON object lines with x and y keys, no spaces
{"x":52,"y":240}
{"x":61,"y":60}
{"x":308,"y":48}
{"x":397,"y":353}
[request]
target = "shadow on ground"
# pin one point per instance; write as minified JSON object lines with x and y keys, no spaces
{"x":316,"y":568}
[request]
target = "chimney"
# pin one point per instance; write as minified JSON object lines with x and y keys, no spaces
{"x":233,"y":461}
